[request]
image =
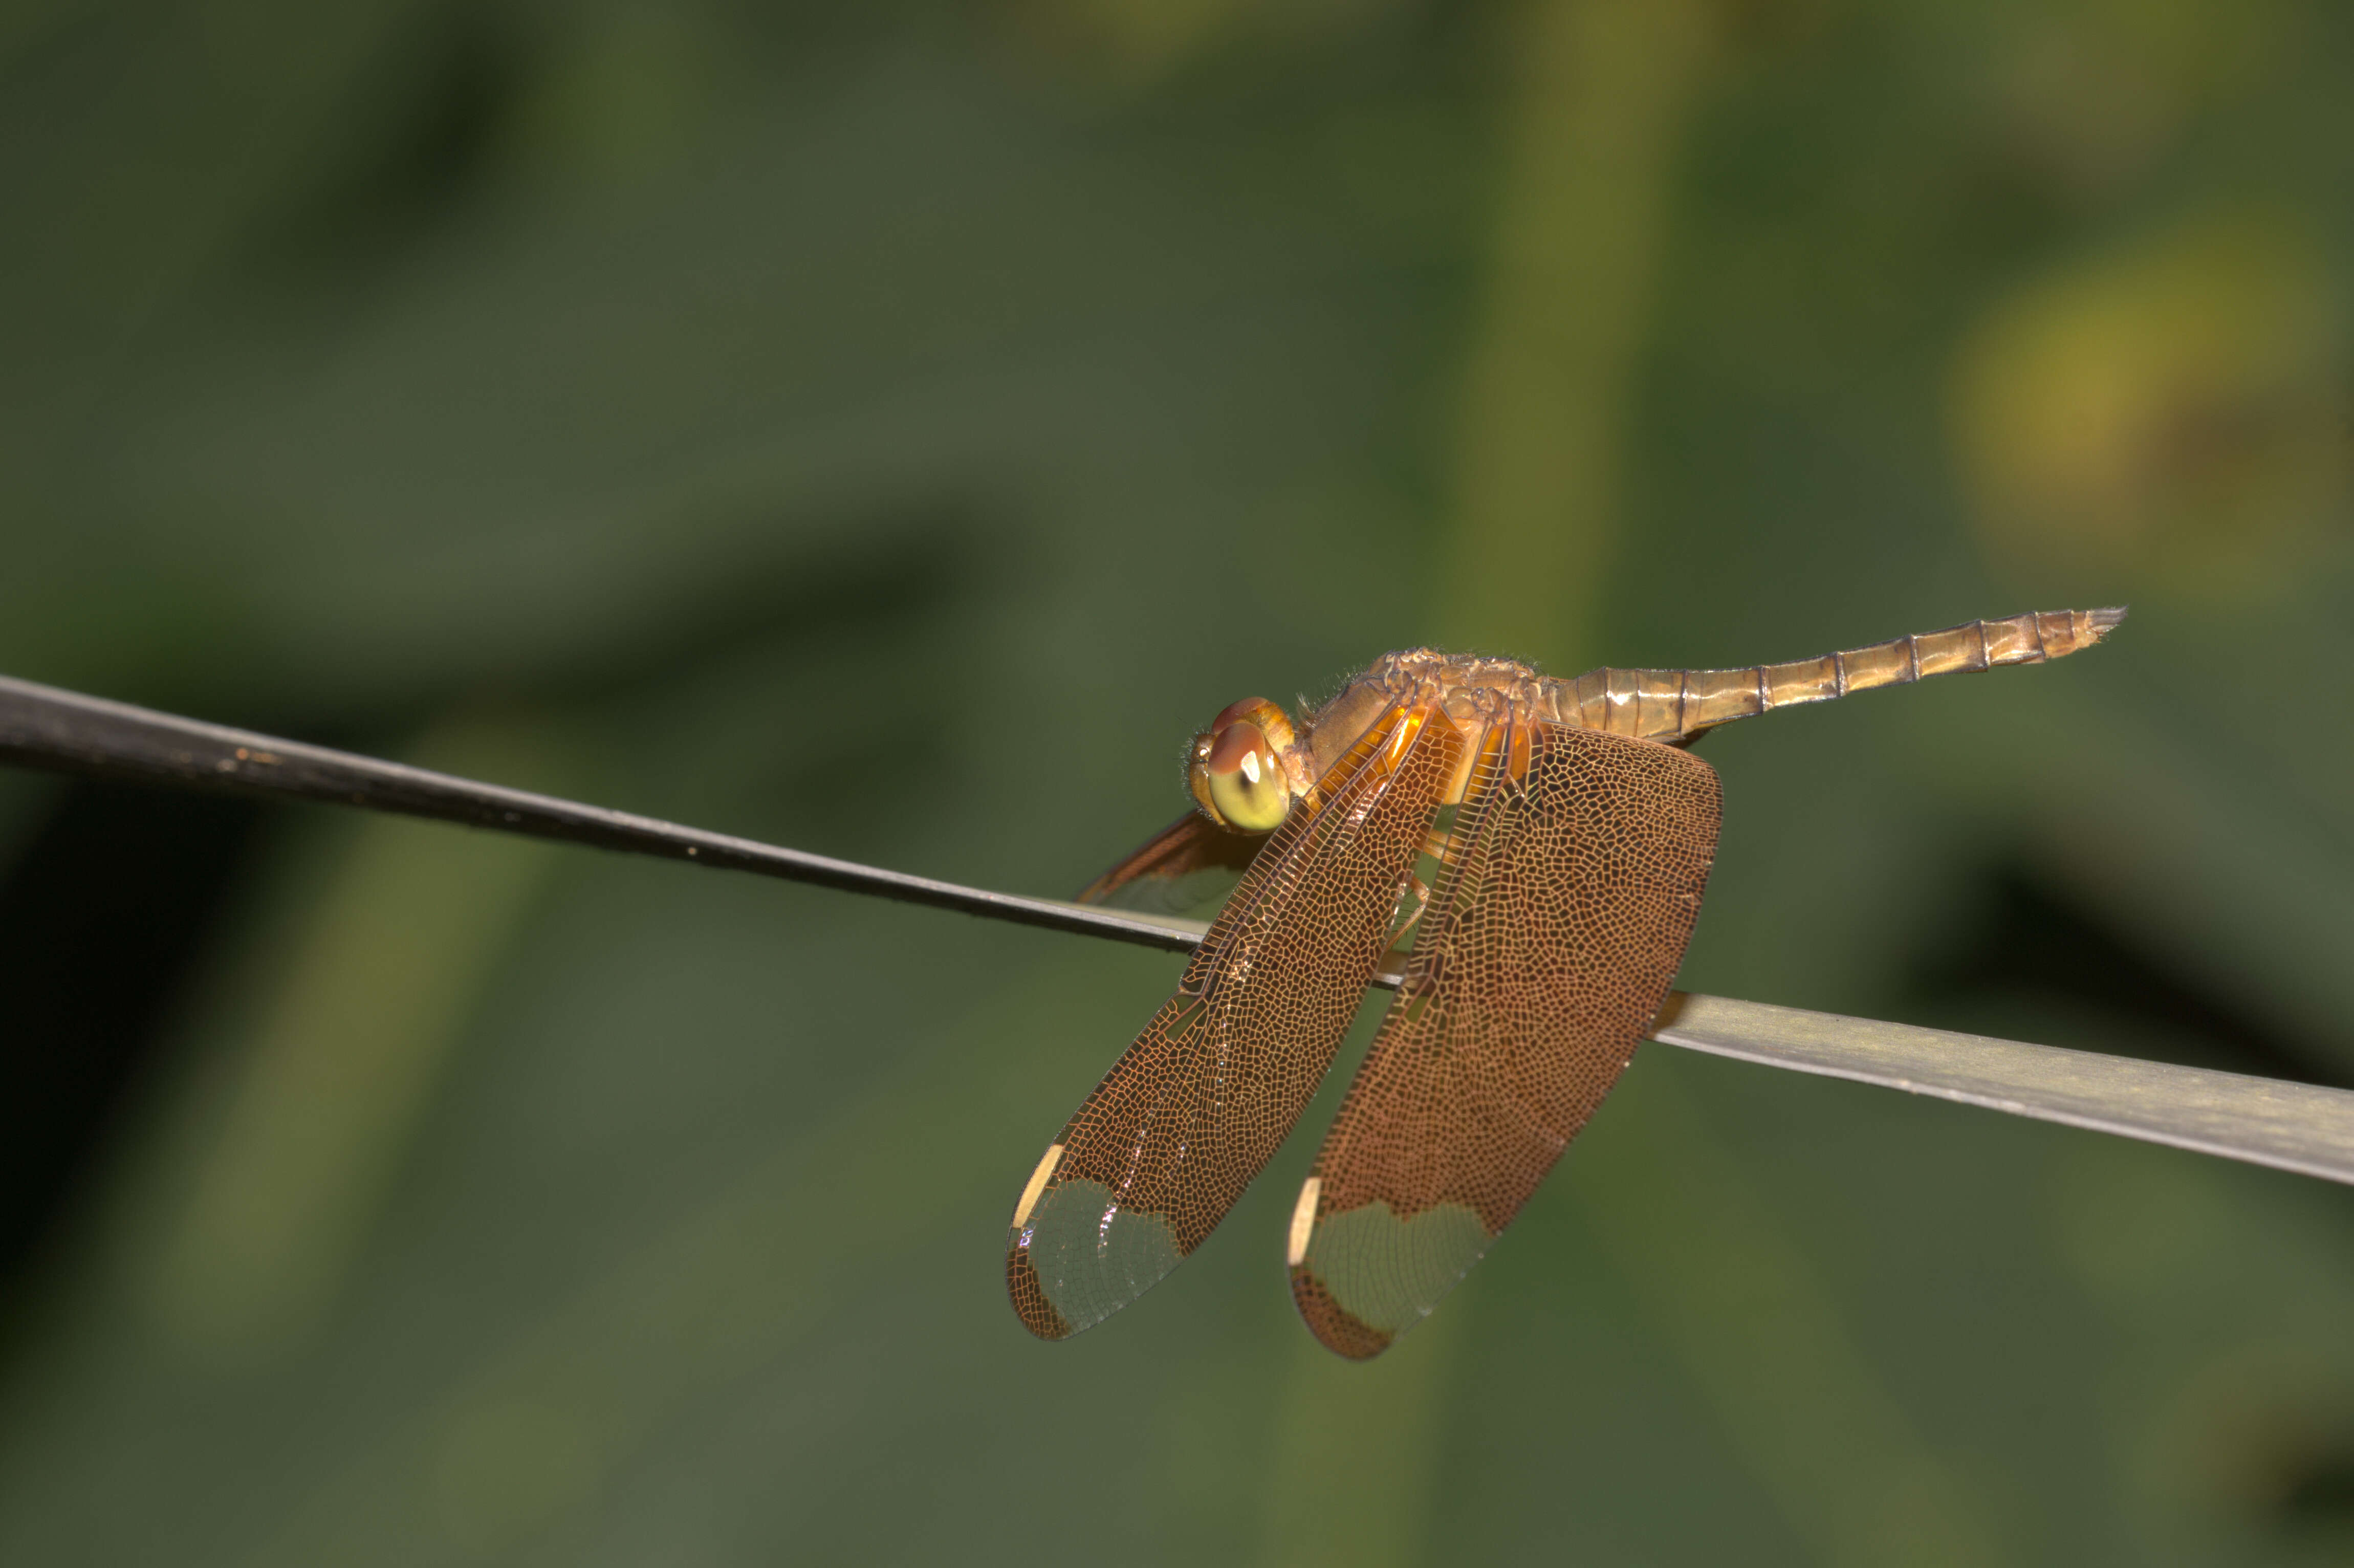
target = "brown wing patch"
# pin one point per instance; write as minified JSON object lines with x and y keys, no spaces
{"x":1576,"y":870}
{"x":1192,"y":842}
{"x":1168,"y":1141}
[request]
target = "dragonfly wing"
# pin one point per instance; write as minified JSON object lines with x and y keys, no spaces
{"x":1575,"y":870}
{"x":1192,"y":842}
{"x":1168,"y":1141}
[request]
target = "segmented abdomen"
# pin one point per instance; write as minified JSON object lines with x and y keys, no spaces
{"x":1671,"y":704}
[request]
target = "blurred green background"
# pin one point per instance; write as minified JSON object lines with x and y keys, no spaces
{"x":890,"y":431}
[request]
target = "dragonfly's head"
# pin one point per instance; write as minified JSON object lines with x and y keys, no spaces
{"x":1248,"y":767}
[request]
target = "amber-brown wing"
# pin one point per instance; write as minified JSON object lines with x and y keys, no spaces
{"x":1192,"y":842}
{"x":1168,"y":1141}
{"x":1573,"y":873}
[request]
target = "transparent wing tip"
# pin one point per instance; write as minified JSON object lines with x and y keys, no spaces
{"x":1342,"y":1331}
{"x":1029,"y":1297}
{"x":1077,"y":1255}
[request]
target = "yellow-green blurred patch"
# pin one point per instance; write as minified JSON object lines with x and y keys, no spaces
{"x":339,"y":1057}
{"x":2096,"y":90}
{"x":2168,"y":416}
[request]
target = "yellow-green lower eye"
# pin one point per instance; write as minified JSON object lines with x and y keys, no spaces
{"x":1246,"y":783}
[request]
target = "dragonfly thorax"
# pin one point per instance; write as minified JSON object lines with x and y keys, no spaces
{"x":1468,"y":690}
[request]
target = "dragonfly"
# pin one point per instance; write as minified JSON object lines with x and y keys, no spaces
{"x":1534,"y":850}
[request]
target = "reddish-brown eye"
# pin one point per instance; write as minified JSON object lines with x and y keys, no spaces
{"x":1249,"y":708}
{"x":1246,"y":782}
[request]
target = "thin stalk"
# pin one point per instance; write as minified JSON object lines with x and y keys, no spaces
{"x":2292,"y":1126}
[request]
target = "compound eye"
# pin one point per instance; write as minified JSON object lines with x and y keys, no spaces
{"x":1255,"y":709}
{"x":1246,"y":782}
